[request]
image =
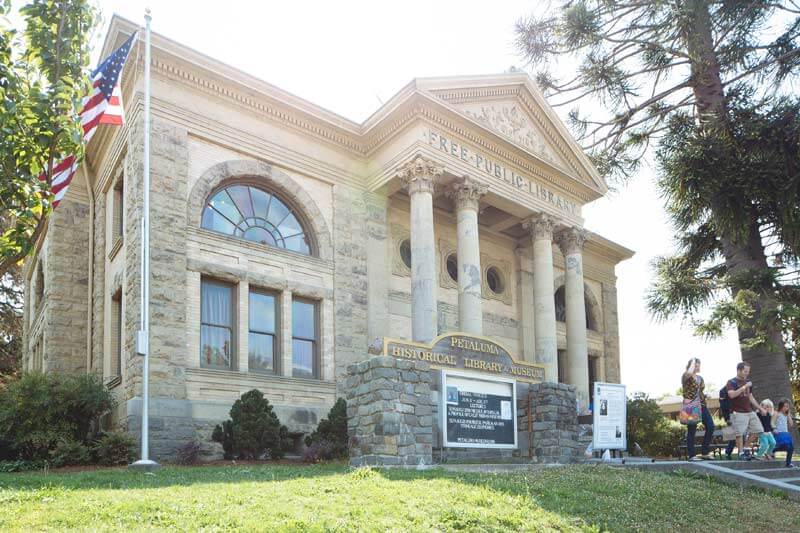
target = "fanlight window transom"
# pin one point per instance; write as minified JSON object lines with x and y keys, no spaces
{"x":255,"y":215}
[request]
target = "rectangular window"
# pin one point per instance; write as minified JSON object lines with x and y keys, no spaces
{"x":116,"y":335}
{"x":262,"y":338}
{"x":216,"y":325}
{"x":118,"y":212}
{"x":304,"y":339}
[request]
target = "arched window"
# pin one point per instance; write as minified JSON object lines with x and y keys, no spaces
{"x":255,"y":215}
{"x":561,"y":310}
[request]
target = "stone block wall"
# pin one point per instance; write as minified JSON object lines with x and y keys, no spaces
{"x":554,"y":424}
{"x":389,"y":412}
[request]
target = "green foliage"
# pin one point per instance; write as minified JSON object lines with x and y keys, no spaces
{"x":70,"y":453}
{"x":11,"y":293}
{"x":640,"y":63}
{"x":332,"y":431}
{"x":20,"y":465}
{"x":114,"y":449}
{"x":37,"y":411}
{"x":648,"y":427}
{"x":253,"y":430}
{"x":43,"y":77}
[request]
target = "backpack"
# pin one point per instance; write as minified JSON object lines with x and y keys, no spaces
{"x":725,"y":403}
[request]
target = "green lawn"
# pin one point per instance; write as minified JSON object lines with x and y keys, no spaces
{"x":333,"y":497}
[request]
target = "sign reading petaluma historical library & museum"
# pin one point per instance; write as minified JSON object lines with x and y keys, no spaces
{"x":460,"y":351}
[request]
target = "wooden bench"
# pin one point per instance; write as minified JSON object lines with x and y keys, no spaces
{"x":716,"y":447}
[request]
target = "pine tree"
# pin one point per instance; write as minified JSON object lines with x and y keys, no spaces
{"x":684,"y":74}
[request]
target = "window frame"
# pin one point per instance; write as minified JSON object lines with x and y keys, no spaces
{"x":277,"y":353}
{"x":293,"y":208}
{"x":234,"y":314}
{"x":315,"y":357}
{"x":117,"y":335}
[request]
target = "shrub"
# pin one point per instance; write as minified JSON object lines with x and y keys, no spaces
{"x":253,"y":430}
{"x":37,"y":411}
{"x":188,"y":454}
{"x":648,"y":427}
{"x":332,"y":431}
{"x":113,"y":449}
{"x":69,"y":453}
{"x":20,"y":465}
{"x":320,"y":450}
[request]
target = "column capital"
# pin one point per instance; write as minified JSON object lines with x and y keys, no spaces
{"x":419,"y":175}
{"x":540,"y":227}
{"x":571,"y":240}
{"x":467,"y":193}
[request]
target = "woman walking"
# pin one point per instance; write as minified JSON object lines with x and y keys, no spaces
{"x":694,"y":396}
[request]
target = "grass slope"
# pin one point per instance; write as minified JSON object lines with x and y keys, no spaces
{"x":334,"y":498}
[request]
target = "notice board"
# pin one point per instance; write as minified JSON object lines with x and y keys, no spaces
{"x":477,"y":411}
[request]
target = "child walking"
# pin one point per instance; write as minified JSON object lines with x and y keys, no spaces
{"x":766,"y":441}
{"x":783,"y":438}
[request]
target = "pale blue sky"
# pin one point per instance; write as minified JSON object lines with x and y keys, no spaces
{"x":349,"y":56}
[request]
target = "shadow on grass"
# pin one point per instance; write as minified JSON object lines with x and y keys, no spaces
{"x":123,"y":479}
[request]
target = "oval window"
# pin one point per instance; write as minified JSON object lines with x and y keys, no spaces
{"x":405,"y":252}
{"x":495,"y":280}
{"x":452,"y":266}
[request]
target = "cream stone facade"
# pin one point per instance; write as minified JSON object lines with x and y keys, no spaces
{"x":455,"y":207}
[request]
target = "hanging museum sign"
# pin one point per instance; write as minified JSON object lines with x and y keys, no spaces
{"x":460,"y":351}
{"x":479,"y":412}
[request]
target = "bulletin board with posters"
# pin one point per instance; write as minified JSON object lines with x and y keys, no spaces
{"x":478,"y":412}
{"x":609,"y":417}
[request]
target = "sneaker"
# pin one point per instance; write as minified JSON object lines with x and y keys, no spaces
{"x":745,"y":456}
{"x":791,"y":465}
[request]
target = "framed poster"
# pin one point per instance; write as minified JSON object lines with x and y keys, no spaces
{"x":478,"y":411}
{"x":609,"y":417}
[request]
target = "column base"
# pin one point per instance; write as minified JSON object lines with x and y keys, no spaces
{"x":143,"y":465}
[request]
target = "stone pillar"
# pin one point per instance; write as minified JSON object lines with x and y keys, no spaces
{"x":526,"y":305}
{"x":418,"y":178}
{"x":544,"y":318}
{"x":571,"y":241}
{"x":610,"y":332}
{"x":554,"y":423}
{"x":389,"y":412}
{"x":466,"y":196}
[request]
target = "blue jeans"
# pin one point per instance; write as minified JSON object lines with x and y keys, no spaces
{"x":784,"y":442}
{"x":691,"y":429}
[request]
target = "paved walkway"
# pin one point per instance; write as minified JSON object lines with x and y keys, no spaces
{"x":768,"y":475}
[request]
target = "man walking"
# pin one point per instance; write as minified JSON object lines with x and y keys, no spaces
{"x":743,"y":419}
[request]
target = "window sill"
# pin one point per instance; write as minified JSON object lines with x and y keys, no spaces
{"x":258,"y":376}
{"x":115,"y":248}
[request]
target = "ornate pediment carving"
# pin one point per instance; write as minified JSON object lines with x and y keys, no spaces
{"x":511,"y":122}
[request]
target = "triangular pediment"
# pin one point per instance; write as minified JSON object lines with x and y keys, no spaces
{"x":510,"y":121}
{"x":511,"y":106}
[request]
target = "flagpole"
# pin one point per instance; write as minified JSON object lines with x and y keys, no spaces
{"x":143,"y":335}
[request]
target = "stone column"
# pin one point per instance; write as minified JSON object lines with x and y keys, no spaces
{"x":544,"y":318}
{"x":571,"y":241}
{"x":526,"y":305}
{"x":418,"y":178}
{"x":466,"y":196}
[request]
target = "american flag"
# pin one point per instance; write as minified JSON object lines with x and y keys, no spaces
{"x":103,"y":106}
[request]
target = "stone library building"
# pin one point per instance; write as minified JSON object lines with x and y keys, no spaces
{"x":290,"y":245}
